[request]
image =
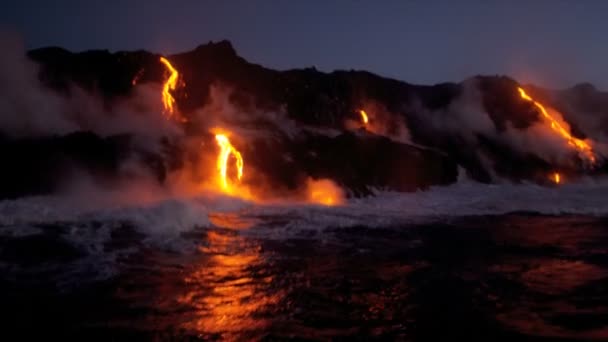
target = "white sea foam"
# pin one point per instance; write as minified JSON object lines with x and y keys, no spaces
{"x":91,"y":227}
{"x":167,"y":219}
{"x":465,"y":198}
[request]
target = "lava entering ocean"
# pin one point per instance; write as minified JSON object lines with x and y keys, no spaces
{"x":584,"y":148}
{"x":324,"y":192}
{"x":226,"y":150}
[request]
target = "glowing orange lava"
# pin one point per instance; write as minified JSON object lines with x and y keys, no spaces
{"x":324,"y":192}
{"x":556,"y":177}
{"x":170,"y":85}
{"x":584,"y":148}
{"x":226,"y":149}
{"x":364,"y":117}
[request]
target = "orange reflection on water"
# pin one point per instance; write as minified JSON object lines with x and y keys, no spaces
{"x":556,"y":280}
{"x":232,"y":220}
{"x":230,"y":292}
{"x":556,"y":276}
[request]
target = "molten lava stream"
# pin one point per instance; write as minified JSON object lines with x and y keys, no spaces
{"x":584,"y":148}
{"x":364,"y":117}
{"x":227,"y":150}
{"x":170,"y":85}
{"x":556,"y":177}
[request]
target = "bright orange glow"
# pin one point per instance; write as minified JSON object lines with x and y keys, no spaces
{"x":584,"y":148}
{"x":228,"y":295}
{"x":226,"y":149}
{"x":169,"y":85}
{"x":364,"y":117}
{"x":325,"y":192}
{"x":232,"y":220}
{"x":556,"y":178}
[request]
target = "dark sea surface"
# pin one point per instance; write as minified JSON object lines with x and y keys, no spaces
{"x":510,"y":277}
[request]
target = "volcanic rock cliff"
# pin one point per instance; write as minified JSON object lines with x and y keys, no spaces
{"x":418,"y":135}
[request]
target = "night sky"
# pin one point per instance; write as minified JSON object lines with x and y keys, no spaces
{"x":551,"y":42}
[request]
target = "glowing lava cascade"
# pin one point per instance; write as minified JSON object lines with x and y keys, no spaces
{"x":556,"y":178}
{"x":583,"y":147}
{"x":364,"y":117}
{"x":169,"y":85}
{"x":226,"y":149}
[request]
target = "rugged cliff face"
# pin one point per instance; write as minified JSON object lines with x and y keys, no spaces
{"x":306,"y":124}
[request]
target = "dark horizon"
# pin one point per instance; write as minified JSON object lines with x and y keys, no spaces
{"x":548,"y":43}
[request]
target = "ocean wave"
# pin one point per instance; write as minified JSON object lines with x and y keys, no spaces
{"x":169,"y":218}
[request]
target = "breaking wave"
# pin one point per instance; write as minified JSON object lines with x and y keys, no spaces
{"x":171,"y":217}
{"x":103,"y":234}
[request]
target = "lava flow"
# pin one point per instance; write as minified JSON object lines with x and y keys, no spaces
{"x":364,"y":117}
{"x":556,"y":177}
{"x":226,"y":149}
{"x":169,"y":85}
{"x":584,"y":148}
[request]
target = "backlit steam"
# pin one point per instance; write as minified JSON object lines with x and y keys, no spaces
{"x":169,"y":85}
{"x":226,"y":149}
{"x":364,"y":117}
{"x":584,"y":148}
{"x":324,"y":192}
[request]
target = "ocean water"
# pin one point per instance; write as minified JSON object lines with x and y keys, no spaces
{"x":469,"y":261}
